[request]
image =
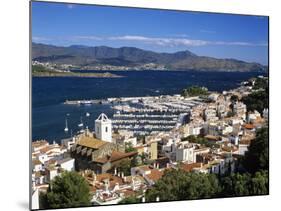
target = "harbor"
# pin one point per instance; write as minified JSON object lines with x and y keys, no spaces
{"x":80,"y":95}
{"x":148,"y":114}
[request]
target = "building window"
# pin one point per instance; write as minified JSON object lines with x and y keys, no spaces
{"x":106,"y":129}
{"x":97,"y":129}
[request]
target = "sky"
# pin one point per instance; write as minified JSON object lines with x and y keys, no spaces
{"x":205,"y":34}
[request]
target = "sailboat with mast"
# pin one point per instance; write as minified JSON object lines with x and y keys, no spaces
{"x":66,"y":126}
{"x":81,"y":123}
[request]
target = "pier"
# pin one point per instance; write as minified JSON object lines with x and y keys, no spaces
{"x":84,"y":102}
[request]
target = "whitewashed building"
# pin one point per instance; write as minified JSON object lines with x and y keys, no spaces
{"x":184,"y":152}
{"x":103,"y":128}
{"x":67,"y":164}
{"x":240,"y":109}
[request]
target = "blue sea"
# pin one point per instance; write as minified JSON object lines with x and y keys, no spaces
{"x":49,"y":93}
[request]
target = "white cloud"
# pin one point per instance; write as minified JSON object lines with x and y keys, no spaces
{"x":171,"y":42}
{"x":160,"y":41}
{"x":239,"y":43}
{"x":40,"y":39}
{"x":70,"y":6}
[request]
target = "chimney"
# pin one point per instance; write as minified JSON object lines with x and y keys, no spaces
{"x":94,"y":176}
{"x":133,"y":183}
{"x":116,"y":187}
{"x":107,"y":184}
{"x":115,"y":171}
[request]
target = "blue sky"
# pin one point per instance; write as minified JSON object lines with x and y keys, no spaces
{"x":206,"y":34}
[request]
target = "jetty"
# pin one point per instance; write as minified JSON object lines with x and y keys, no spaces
{"x":84,"y":102}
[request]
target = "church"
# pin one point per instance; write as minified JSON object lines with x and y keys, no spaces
{"x":97,"y":151}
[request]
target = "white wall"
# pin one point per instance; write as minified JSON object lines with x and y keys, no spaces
{"x":35,"y":199}
{"x":242,"y":148}
{"x":68,"y":165}
{"x":103,"y":130}
{"x":184,"y":154}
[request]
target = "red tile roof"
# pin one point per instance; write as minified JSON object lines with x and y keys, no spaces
{"x":249,"y":126}
{"x":120,"y":155}
{"x":155,"y":174}
{"x":190,"y":167}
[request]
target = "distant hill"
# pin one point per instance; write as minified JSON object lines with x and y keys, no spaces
{"x":83,"y":56}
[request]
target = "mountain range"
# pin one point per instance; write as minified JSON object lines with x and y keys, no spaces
{"x":131,"y":57}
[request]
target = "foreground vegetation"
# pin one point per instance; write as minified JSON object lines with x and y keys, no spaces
{"x":259,"y":98}
{"x":68,"y":190}
{"x":194,"y":91}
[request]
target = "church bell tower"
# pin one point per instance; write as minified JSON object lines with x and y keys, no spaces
{"x":103,"y":128}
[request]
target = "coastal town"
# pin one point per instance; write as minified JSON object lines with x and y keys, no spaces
{"x":126,"y":155}
{"x":105,"y":67}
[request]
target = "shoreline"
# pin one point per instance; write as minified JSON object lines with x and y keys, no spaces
{"x":74,"y":102}
{"x":77,"y":75}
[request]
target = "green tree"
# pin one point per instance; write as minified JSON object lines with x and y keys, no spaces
{"x":125,"y":166}
{"x":261,"y":83}
{"x":136,"y":161}
{"x":129,"y":147}
{"x":236,"y":185}
{"x":130,"y":200}
{"x":40,"y":68}
{"x":200,"y":140}
{"x":245,"y":184}
{"x":257,"y":100}
{"x":257,"y":156}
{"x":68,"y":190}
{"x":195,"y":91}
{"x":180,"y":185}
{"x":259,"y":183}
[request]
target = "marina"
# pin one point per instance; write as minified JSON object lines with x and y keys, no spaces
{"x":80,"y":96}
{"x":145,"y":115}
